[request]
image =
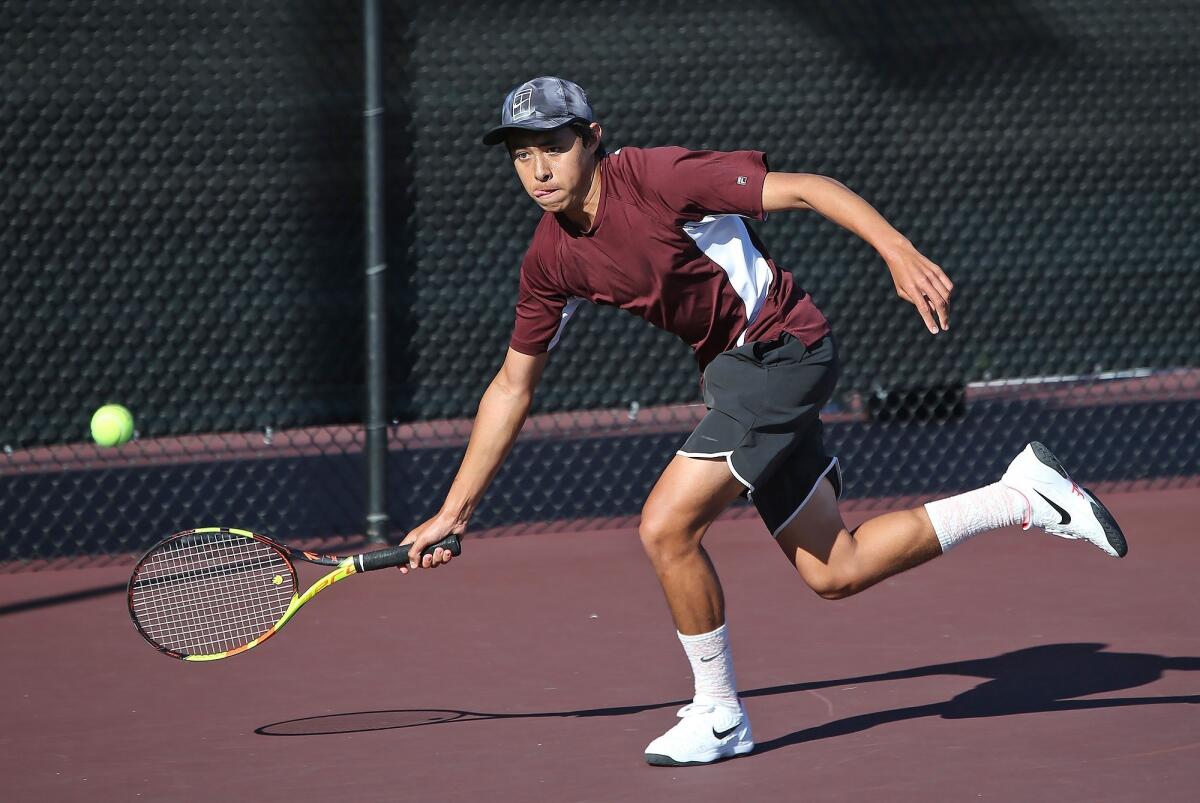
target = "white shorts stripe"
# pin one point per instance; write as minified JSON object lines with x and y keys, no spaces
{"x":728,"y":460}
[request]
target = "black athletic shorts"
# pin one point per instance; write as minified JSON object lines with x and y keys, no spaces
{"x":764,"y":401}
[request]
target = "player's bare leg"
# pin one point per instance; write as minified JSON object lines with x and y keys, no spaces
{"x":837,"y":563}
{"x":687,"y":498}
{"x":1036,"y":491}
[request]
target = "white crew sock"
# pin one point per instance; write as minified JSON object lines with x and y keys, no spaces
{"x":958,"y":518}
{"x":712,"y":667}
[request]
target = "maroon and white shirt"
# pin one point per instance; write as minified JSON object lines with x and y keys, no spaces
{"x":669,"y":244}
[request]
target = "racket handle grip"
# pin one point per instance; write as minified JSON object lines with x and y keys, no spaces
{"x":398,"y":555}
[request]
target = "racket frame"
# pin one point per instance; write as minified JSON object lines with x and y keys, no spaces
{"x":343,"y":568}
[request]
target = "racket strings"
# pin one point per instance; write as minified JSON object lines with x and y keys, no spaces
{"x":211,"y":592}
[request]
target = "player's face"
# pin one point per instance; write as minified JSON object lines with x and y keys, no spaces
{"x":555,"y":167}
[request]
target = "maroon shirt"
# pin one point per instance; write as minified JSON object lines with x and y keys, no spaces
{"x":670,"y":245}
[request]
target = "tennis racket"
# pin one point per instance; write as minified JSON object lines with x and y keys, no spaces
{"x":214,"y":592}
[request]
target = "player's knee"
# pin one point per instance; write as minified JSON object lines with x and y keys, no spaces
{"x":831,"y":585}
{"x":663,"y":537}
{"x":836,"y":592}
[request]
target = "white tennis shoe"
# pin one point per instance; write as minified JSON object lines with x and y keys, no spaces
{"x":705,"y":733}
{"x":1058,"y":505}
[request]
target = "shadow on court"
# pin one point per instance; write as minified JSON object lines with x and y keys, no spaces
{"x":51,"y":600}
{"x":1050,"y":677}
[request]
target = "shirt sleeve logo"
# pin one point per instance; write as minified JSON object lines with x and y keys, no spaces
{"x":742,"y":180}
{"x":522,"y":105}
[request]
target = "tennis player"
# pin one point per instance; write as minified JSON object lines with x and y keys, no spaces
{"x":663,"y":233}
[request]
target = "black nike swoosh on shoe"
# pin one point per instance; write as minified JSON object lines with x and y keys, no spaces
{"x":722,"y":734}
{"x":1066,"y":517}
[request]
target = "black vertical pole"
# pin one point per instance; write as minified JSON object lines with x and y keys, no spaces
{"x":376,"y":274}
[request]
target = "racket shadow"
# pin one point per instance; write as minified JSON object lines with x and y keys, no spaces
{"x":401,"y":718}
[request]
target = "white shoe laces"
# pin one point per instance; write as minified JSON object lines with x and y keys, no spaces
{"x":695,"y":709}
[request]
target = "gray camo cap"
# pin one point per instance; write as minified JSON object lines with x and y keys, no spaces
{"x":542,"y":104}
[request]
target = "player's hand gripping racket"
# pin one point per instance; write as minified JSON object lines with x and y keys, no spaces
{"x":213,"y":592}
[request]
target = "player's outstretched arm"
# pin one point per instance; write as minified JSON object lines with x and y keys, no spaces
{"x":918,"y":280}
{"x":502,"y":412}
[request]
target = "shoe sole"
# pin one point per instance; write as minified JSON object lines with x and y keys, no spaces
{"x":659,"y":760}
{"x":1112,"y":532}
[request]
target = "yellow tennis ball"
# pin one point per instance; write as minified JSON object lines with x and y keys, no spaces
{"x":112,"y":425}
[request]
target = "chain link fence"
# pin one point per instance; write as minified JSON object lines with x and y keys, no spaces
{"x":181,"y":232}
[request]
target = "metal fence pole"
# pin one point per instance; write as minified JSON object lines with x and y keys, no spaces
{"x":376,"y":274}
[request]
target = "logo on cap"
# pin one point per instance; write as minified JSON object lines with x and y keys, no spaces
{"x":522,"y":105}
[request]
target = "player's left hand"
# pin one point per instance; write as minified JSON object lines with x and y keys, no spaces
{"x":921,"y":283}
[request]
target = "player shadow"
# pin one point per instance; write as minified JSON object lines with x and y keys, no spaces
{"x":1051,"y":677}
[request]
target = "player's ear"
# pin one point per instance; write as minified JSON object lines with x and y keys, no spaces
{"x":596,"y":134}
{"x":591,"y":138}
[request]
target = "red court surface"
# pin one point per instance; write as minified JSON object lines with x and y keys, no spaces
{"x":536,"y":668}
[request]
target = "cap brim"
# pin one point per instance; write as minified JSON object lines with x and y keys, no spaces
{"x":496,"y":135}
